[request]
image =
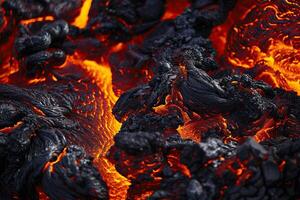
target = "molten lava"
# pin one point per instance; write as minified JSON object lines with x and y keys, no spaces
{"x":38,"y":19}
{"x":266,"y":40}
{"x":50,"y":165}
{"x":82,"y":19}
{"x":107,"y":125}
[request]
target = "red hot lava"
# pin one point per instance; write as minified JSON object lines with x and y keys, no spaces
{"x":263,"y":36}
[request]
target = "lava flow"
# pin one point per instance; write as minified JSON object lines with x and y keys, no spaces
{"x":107,"y":126}
{"x":149,"y":99}
{"x":273,"y":54}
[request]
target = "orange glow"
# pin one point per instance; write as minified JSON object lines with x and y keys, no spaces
{"x":54,"y":78}
{"x":82,"y":19}
{"x":50,"y":165}
{"x":7,"y":70}
{"x":36,"y":80}
{"x":38,"y":111}
{"x":219,"y":33}
{"x":41,"y":194}
{"x":270,"y":43}
{"x":118,"y":47}
{"x":9,"y":129}
{"x":38,"y":19}
{"x":194,"y":129}
{"x":243,"y":176}
{"x":9,"y":65}
{"x":183,"y":70}
{"x":107,"y":125}
{"x":240,"y":169}
{"x":263,"y":133}
{"x":282,"y":165}
{"x":145,"y":195}
{"x":175,"y":164}
{"x":275,"y":53}
{"x":175,"y":8}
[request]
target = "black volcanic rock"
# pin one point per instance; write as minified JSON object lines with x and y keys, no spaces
{"x":137,"y":143}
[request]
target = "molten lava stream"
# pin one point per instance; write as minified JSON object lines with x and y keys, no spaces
{"x":82,"y":19}
{"x":107,"y":125}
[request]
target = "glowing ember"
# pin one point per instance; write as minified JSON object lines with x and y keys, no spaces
{"x":38,"y":19}
{"x":36,"y":80}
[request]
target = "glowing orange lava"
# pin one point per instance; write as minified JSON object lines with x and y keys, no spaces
{"x":38,"y":19}
{"x":219,"y":33}
{"x":82,"y":19}
{"x":36,"y":80}
{"x":263,"y":133}
{"x":9,"y":129}
{"x":107,"y":125}
{"x":266,"y":37}
{"x":50,"y":165}
{"x":7,"y":70}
